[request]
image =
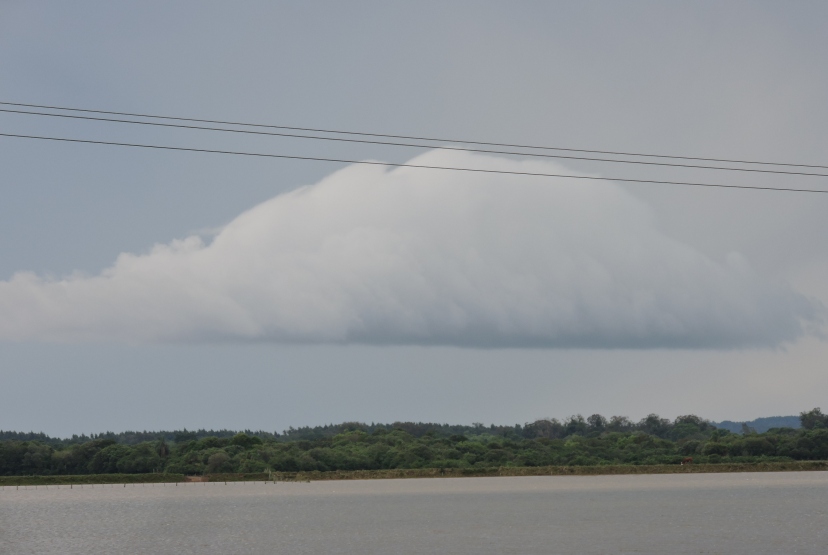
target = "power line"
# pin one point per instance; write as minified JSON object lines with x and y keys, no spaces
{"x":387,"y":143}
{"x":409,"y":137}
{"x":420,"y":166}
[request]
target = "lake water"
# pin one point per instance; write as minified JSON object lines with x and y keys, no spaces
{"x":752,"y":513}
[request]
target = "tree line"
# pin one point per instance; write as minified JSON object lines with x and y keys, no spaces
{"x":579,"y":441}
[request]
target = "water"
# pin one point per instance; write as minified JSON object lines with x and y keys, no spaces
{"x":733,"y":514}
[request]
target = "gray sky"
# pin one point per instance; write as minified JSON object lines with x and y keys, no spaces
{"x":384,"y":295}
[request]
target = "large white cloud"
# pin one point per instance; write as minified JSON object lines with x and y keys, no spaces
{"x":372,"y":255}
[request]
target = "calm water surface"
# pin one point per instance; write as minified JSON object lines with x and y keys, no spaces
{"x":733,"y":514}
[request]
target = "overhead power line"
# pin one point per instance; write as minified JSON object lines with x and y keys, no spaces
{"x":410,"y":145}
{"x":410,"y":137}
{"x":402,"y":165}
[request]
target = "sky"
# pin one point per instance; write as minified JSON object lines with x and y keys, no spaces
{"x":159,"y":290}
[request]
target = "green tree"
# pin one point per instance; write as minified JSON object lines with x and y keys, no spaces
{"x":620,"y":424}
{"x":597,"y":423}
{"x":715,"y":448}
{"x":245,"y":441}
{"x":106,"y":460}
{"x":219,"y":462}
{"x":142,"y":459}
{"x":654,"y":425}
{"x":758,"y":446}
{"x":813,"y":419}
{"x":549,"y":429}
{"x":575,"y":425}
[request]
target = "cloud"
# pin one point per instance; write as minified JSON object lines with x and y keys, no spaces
{"x":406,"y":256}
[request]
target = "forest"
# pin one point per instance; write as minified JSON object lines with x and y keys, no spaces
{"x":576,"y":441}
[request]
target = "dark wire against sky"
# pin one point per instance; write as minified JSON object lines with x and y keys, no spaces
{"x":441,"y":147}
{"x":397,"y":144}
{"x":400,"y":165}
{"x":443,"y":140}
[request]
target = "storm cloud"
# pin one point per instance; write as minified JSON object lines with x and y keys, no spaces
{"x":407,"y":256}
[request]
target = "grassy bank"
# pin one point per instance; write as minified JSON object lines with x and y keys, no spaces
{"x":548,"y":471}
{"x":793,"y":466}
{"x":91,"y":479}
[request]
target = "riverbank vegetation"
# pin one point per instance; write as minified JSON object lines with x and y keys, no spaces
{"x":428,"y":448}
{"x":402,"y":473}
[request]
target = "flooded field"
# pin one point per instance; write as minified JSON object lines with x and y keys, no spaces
{"x":747,"y":513}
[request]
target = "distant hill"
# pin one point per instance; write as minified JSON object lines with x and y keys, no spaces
{"x":761,"y":425}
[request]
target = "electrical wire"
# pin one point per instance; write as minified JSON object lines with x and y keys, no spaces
{"x":402,"y":165}
{"x":387,"y":143}
{"x":409,"y":137}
